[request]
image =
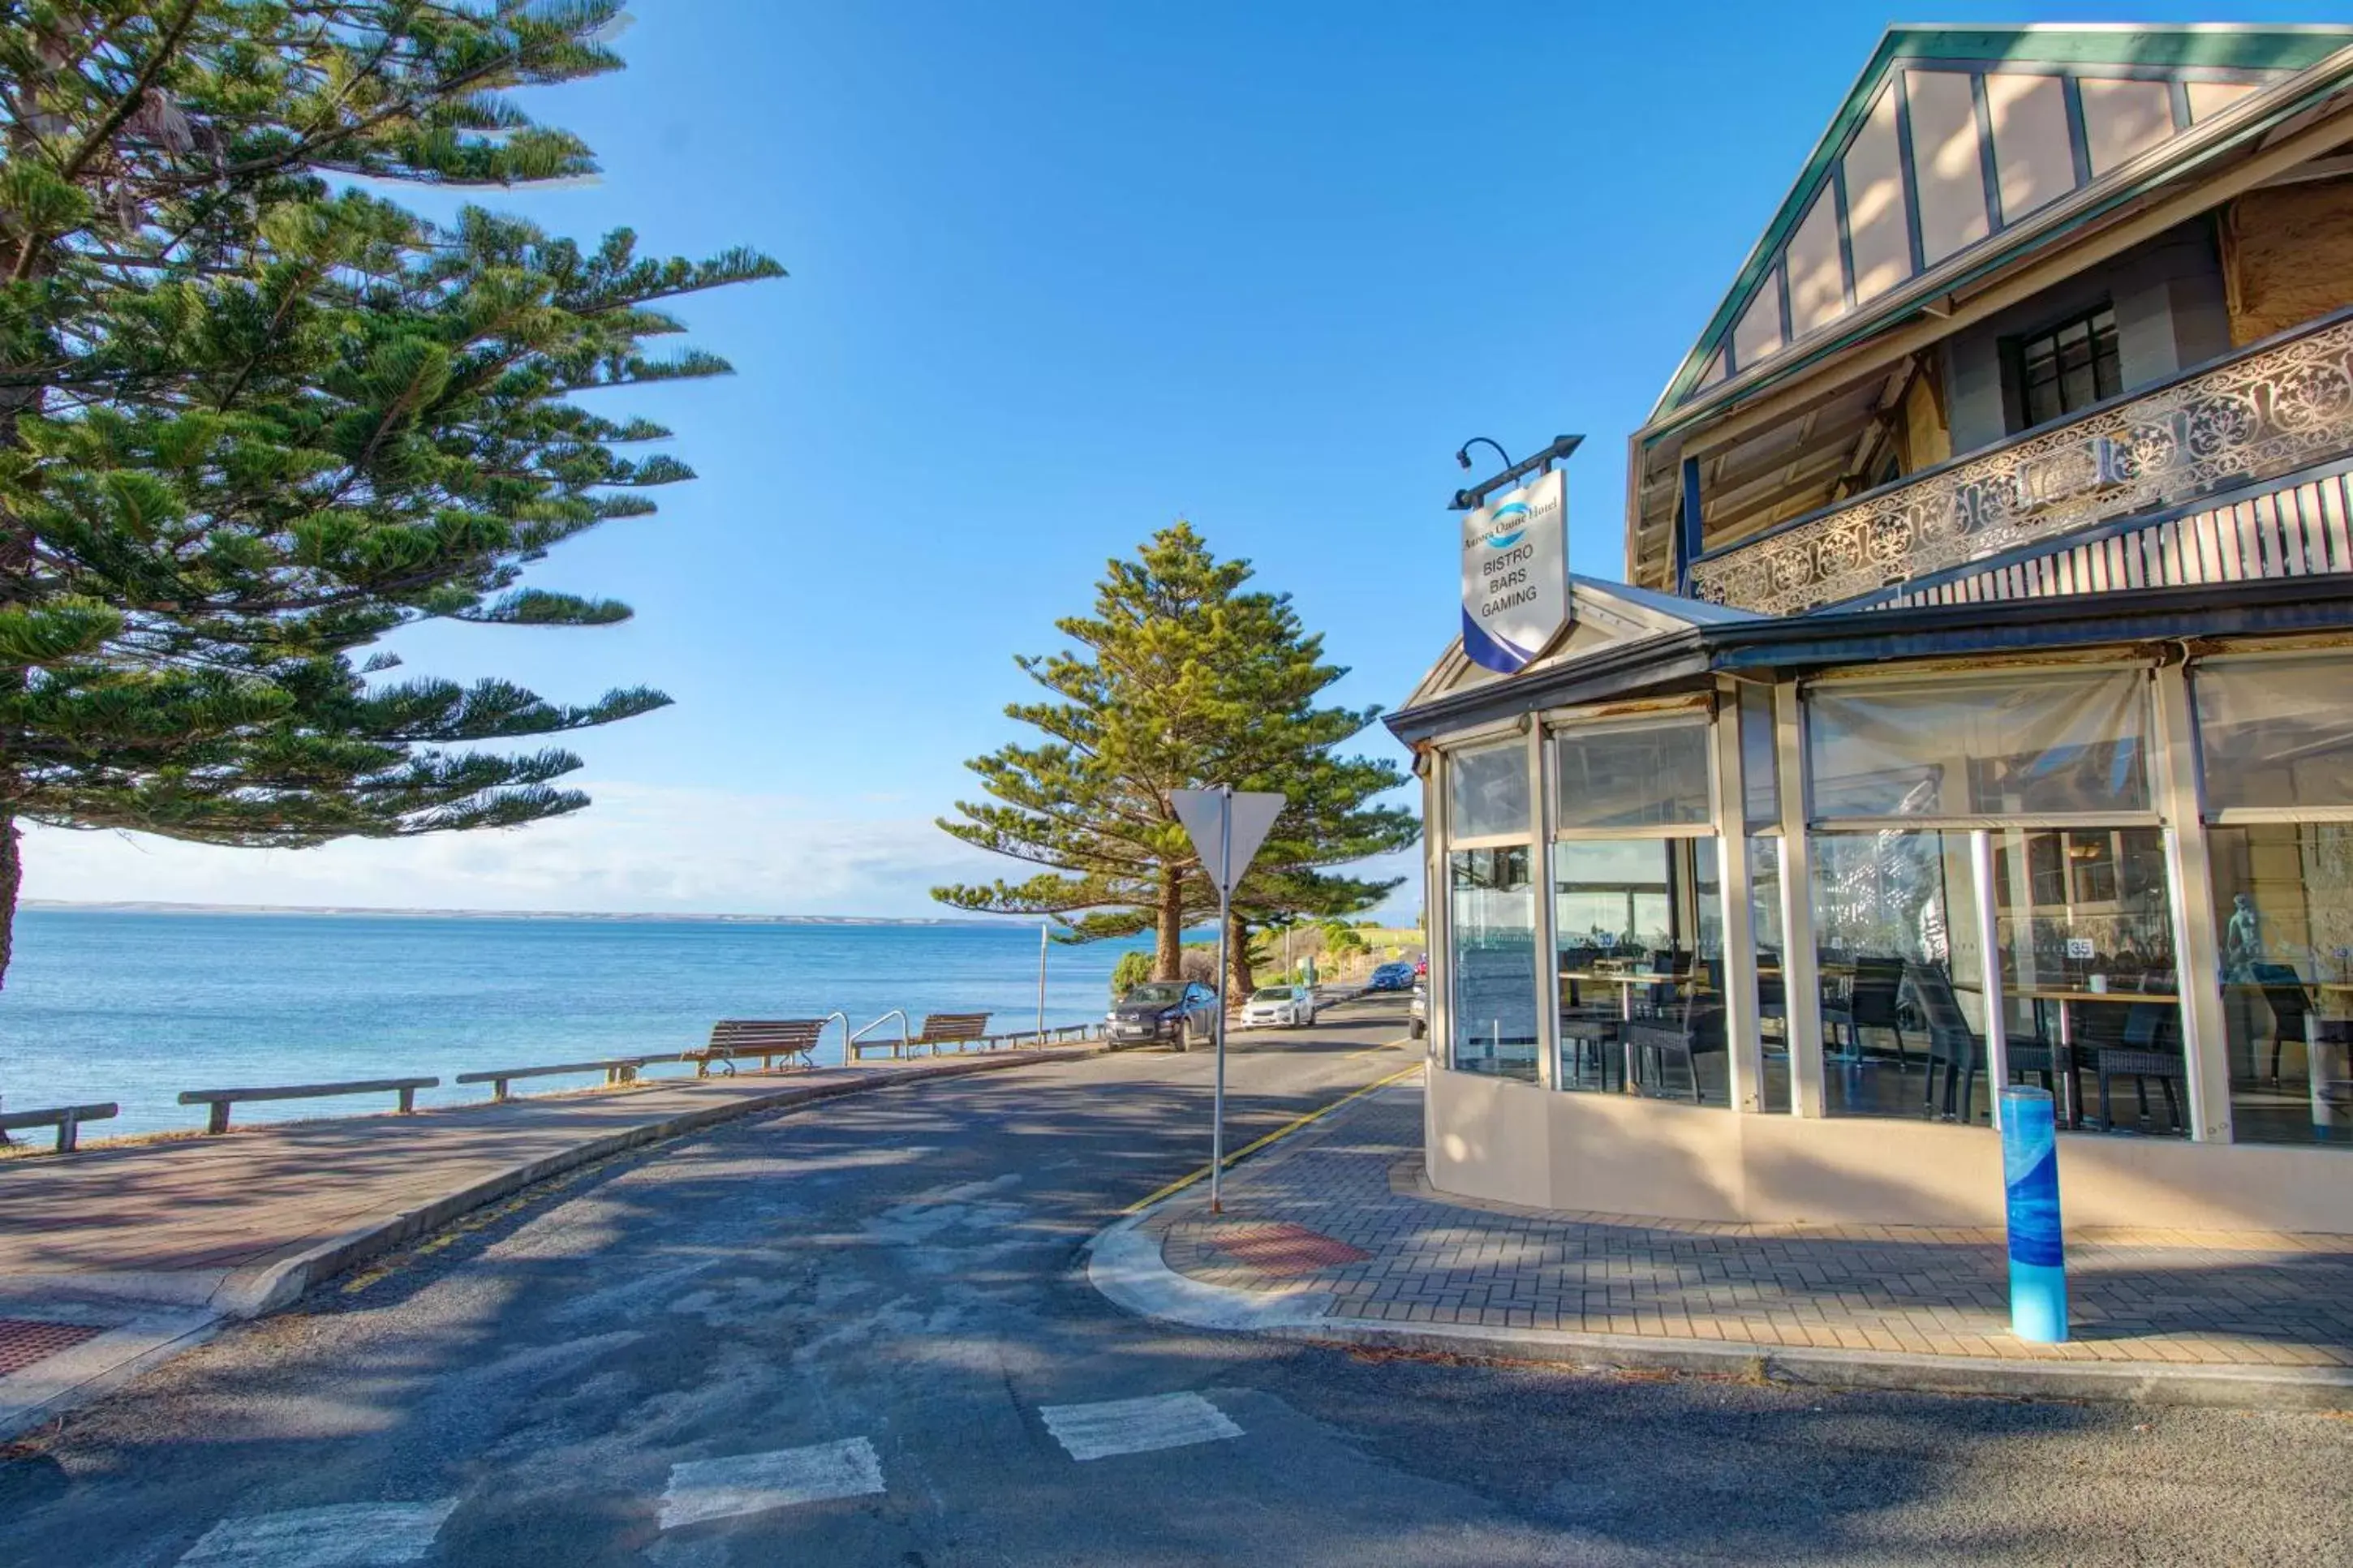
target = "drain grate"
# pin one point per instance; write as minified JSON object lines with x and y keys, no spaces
{"x":1284,"y":1248}
{"x":24,"y":1340}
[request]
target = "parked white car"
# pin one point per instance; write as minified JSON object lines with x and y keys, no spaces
{"x":1279,"y":1007}
{"x":1418,"y":1013}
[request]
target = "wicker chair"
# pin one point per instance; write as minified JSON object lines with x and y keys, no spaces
{"x":1959,"y":1048}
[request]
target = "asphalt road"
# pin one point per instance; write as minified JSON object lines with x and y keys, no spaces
{"x":860,"y":1335}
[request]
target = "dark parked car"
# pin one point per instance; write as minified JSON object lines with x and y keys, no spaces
{"x":1392,"y":977}
{"x":1173,"y":1010}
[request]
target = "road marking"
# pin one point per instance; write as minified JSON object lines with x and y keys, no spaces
{"x":754,"y":1483}
{"x":1285,"y":1131}
{"x":1137,"y":1426}
{"x":1384,"y":1045}
{"x":345,"y":1535}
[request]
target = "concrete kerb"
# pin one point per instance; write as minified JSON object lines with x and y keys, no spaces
{"x":2137,"y":1382}
{"x":59,"y":1383}
{"x":1125,"y":1263}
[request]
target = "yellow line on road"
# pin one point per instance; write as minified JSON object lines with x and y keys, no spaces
{"x":1284,"y":1130}
{"x":1384,"y":1045}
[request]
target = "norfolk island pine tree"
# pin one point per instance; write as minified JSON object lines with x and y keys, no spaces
{"x":252,"y":419}
{"x":1180,"y":678}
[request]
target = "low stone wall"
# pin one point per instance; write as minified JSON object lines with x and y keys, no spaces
{"x":1514,"y":1143}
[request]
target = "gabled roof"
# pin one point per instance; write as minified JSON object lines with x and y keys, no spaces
{"x":1950,"y":136}
{"x":1602,"y":615}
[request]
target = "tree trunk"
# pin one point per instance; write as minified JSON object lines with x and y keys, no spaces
{"x":1168,"y":949}
{"x":1238,"y":962}
{"x":12,"y":875}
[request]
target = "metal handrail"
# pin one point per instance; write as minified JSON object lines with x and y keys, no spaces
{"x":906,"y":1033}
{"x":846,"y":1042}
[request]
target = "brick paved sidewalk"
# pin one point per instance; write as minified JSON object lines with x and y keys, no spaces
{"x":1344,"y":1211}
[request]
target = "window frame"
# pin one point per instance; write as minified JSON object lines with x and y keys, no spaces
{"x":2259,"y":815}
{"x":2014,"y":366}
{"x":1903,"y":679}
{"x":1695,"y":715}
{"x":1488,"y":741}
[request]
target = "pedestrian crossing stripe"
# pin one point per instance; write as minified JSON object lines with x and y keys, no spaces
{"x":701,"y":1490}
{"x":341,"y":1535}
{"x":1137,"y":1426}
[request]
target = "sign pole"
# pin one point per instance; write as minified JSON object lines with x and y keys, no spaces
{"x":1214,"y":819}
{"x":1225,"y":925}
{"x":1043,"y":929}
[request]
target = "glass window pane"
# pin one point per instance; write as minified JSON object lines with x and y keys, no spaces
{"x":2076,"y":382}
{"x":2105,"y":357}
{"x":2070,"y":367}
{"x":2070,"y":744}
{"x":2088,"y":974}
{"x":1640,"y":967}
{"x":1902,"y":1009}
{"x":1760,"y":758}
{"x":2276,"y":731}
{"x":1488,"y":790}
{"x":1639,"y":776}
{"x":1772,"y":992}
{"x":2285,"y":896}
{"x":1493,"y":962}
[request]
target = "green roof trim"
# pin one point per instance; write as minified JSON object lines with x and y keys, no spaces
{"x":2205,"y":46}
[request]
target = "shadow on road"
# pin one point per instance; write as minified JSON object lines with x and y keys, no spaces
{"x":905,"y":1265}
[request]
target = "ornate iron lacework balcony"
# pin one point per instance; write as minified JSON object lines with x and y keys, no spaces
{"x":2279,"y":406}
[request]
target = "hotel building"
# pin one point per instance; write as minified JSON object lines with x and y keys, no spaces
{"x":1978,"y":706}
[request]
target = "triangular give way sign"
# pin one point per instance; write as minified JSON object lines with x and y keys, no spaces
{"x":1210,"y":815}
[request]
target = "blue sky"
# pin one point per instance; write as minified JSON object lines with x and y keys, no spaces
{"x":1060,"y":274}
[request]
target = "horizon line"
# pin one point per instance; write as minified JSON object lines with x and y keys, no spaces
{"x":161,"y":906}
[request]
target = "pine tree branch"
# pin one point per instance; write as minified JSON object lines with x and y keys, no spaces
{"x":102,"y":135}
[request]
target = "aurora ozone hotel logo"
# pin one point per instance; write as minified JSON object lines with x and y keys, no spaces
{"x":1510,"y":521}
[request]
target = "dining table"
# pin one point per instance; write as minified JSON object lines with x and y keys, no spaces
{"x":1627,"y":980}
{"x":2063,"y":1055}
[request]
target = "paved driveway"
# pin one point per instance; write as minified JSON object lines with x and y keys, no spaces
{"x":859,"y":1335}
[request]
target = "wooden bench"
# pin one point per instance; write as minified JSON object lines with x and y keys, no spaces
{"x":65,"y":1118}
{"x":220,"y":1100}
{"x":958,"y":1029}
{"x":767,"y":1038}
{"x":617,"y":1070}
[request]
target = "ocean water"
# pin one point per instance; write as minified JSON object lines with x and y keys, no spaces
{"x":136,"y":1006}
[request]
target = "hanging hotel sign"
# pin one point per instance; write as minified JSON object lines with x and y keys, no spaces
{"x":1516,"y":574}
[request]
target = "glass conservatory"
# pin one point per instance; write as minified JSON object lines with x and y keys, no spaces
{"x":1762,"y":941}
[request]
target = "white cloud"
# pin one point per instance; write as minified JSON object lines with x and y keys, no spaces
{"x":639,"y":848}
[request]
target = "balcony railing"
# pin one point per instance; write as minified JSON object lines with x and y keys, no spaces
{"x":2282,"y":406}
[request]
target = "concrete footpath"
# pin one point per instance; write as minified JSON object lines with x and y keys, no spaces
{"x":116,"y":1257}
{"x":1335,"y":1235}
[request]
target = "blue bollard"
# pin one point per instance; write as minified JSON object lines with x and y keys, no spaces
{"x":2038,"y":1260}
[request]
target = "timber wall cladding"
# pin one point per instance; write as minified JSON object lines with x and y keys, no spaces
{"x":2290,"y":256}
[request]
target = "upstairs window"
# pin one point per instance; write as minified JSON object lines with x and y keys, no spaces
{"x":2070,"y":367}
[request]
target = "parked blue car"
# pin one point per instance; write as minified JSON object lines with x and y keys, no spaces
{"x":1392,"y":977}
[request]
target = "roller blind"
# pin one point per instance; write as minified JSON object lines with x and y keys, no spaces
{"x":2037,"y":746}
{"x":2276,"y":733}
{"x":1639,"y":776}
{"x":1488,"y":790}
